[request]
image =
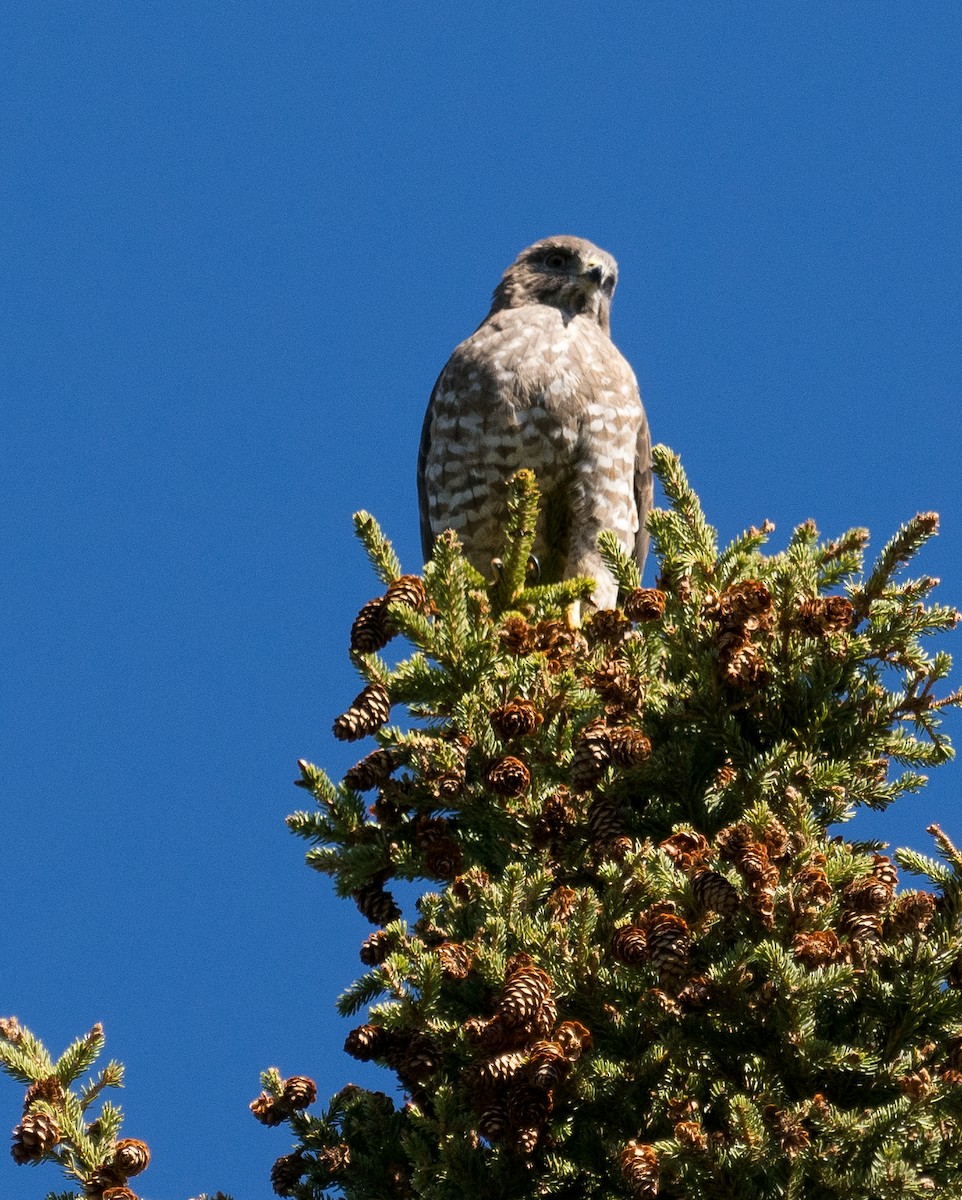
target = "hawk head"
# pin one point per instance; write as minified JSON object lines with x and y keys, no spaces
{"x":566,"y":272}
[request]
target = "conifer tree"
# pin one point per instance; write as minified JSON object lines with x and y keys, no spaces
{"x":645,"y":961}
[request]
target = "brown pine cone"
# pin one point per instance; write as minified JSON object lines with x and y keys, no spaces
{"x":713,"y":891}
{"x":517,"y":636}
{"x":49,"y":1089}
{"x":690,"y":1133}
{"x":417,"y":1061}
{"x":286,"y":1174}
{"x":668,"y":945}
{"x":34,"y":1137}
{"x":866,"y":895}
{"x":455,"y":960}
{"x":443,"y":858}
{"x":885,"y":871}
{"x":11,"y":1030}
{"x":825,"y":615}
{"x":917,"y":1084}
{"x":491,"y":1036}
{"x":493,"y":1123}
{"x":498,"y":1069}
{"x":817,"y":948}
{"x":686,"y":849}
{"x":526,"y":1140}
{"x":573,"y":1038}
{"x":613,"y":684}
{"x":372,"y":628}
{"x":409,"y":590}
{"x":105,"y":1178}
{"x":645,"y":604}
{"x":592,"y":754}
{"x":606,"y":625}
{"x":629,"y":945}
{"x":376,"y":904}
{"x":561,"y":903}
{"x":448,"y":785}
{"x":777,"y":840}
{"x":525,"y":990}
{"x":629,"y":747}
{"x":375,"y":948}
{"x":548,"y":1065}
{"x":266,"y":1109}
{"x":528,"y":1106}
{"x":131,"y":1156}
{"x":697,"y":994}
{"x":557,"y":819}
{"x":119,"y":1193}
{"x":791,"y":1134}
{"x":367,"y":1042}
{"x":734,"y":840}
{"x":508,"y":777}
{"x":370,"y":772}
{"x":860,"y":927}
{"x":543,"y":1021}
{"x":334,"y":1158}
{"x":639,"y":1166}
{"x":742,"y":666}
{"x":814,"y":890}
{"x":912,"y":913}
{"x":746,"y":603}
{"x":553,"y":637}
{"x":428,"y":830}
{"x":368,"y":711}
{"x":605,"y":823}
{"x":299,"y":1092}
{"x":838,"y":615}
{"x":518,"y":718}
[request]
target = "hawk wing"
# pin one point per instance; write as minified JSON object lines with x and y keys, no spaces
{"x":427,"y":534}
{"x":644,"y":489}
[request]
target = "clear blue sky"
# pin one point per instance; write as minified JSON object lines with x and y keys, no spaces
{"x":240,"y":241}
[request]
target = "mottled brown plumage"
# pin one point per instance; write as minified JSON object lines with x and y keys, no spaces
{"x":540,"y":384}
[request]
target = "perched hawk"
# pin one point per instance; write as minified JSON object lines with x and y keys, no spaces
{"x":540,"y":384}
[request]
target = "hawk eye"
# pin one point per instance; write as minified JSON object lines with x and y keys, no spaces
{"x":556,"y":260}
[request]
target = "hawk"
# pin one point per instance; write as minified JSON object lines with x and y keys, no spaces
{"x":540,"y":384}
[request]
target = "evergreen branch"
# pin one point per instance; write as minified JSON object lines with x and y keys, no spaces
{"x":317,"y":782}
{"x":80,"y":1056}
{"x":895,"y":554}
{"x":415,"y":626}
{"x":851,"y":543}
{"x":386,"y":564}
{"x":620,"y":563}
{"x":735,"y":557}
{"x":519,"y":536}
{"x":447,"y":579}
{"x":22,"y":1055}
{"x":111,"y":1076}
{"x":920,"y":864}
{"x":701,"y":540}
{"x":946,"y":848}
{"x":362,"y":992}
{"x":549,"y":598}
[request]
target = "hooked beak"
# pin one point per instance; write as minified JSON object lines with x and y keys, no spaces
{"x":594,"y":272}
